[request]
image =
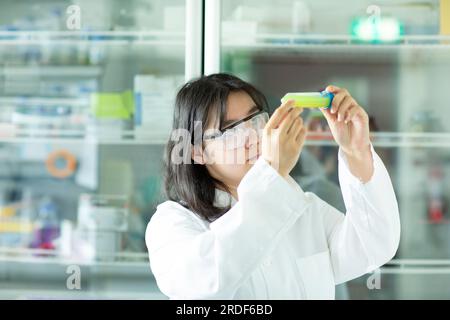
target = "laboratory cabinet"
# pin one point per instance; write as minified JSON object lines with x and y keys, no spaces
{"x":394,"y":58}
{"x":86,"y":103}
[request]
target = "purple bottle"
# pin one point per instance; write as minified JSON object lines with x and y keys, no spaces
{"x":47,"y":225}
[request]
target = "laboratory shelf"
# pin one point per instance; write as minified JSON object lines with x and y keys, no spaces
{"x":121,"y":262}
{"x":25,"y":293}
{"x":347,"y":42}
{"x":12,"y":134}
{"x":391,"y":139}
{"x":48,"y":101}
{"x":13,"y":260}
{"x":127,"y":277}
{"x":92,"y":135}
{"x":47,"y":71}
{"x":153,"y":37}
{"x":341,"y":49}
{"x":417,"y":266}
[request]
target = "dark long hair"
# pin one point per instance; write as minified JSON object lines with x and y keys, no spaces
{"x":201,"y":99}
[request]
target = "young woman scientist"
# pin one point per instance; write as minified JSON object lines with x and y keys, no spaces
{"x":244,"y":229}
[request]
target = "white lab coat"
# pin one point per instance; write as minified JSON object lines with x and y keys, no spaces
{"x":277,"y":241}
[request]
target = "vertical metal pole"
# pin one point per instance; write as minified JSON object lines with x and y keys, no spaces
{"x":194,"y":39}
{"x":212,"y":36}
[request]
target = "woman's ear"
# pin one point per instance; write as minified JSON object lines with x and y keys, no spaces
{"x":198,"y":155}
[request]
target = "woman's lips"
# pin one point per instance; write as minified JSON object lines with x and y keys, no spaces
{"x":253,"y":158}
{"x":251,"y":151}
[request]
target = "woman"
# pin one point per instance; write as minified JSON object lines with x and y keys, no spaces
{"x":244,"y":229}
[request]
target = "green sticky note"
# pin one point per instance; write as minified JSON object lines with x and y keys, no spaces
{"x":128,"y":101}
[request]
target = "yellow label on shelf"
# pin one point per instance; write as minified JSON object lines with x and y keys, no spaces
{"x":445,"y":17}
{"x":7,"y":211}
{"x":15,"y":226}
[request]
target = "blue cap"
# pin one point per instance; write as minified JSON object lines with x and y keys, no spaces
{"x":327,"y":94}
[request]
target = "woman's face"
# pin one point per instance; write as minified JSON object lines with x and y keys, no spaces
{"x":229,"y":159}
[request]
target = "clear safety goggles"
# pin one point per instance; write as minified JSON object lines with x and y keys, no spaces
{"x":239,"y":133}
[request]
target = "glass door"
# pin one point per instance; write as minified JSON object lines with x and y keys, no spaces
{"x":86,"y":101}
{"x":394,"y":58}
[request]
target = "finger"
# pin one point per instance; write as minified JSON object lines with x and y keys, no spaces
{"x":359,"y":111}
{"x":351,"y":109}
{"x":296,"y":125}
{"x":327,"y":114}
{"x":345,"y":105}
{"x":351,"y":113}
{"x":291,"y":110}
{"x":338,"y":98}
{"x":288,"y":121}
{"x":301,"y":135}
{"x":298,"y":118}
{"x":332,"y":89}
{"x":279,"y":114}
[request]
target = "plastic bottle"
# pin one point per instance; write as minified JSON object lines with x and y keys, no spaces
{"x":47,"y":225}
{"x":436,"y":200}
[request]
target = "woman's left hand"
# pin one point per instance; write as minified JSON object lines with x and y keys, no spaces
{"x":348,"y":122}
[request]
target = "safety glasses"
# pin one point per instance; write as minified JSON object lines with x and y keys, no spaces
{"x":238,"y":133}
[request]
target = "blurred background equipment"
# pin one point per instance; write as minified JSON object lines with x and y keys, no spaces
{"x":102,"y":220}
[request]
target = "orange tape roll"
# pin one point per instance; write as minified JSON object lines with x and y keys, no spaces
{"x":54,"y":170}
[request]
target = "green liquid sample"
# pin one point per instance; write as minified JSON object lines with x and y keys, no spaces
{"x":308,"y":99}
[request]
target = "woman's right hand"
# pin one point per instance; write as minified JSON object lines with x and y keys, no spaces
{"x":283,"y":138}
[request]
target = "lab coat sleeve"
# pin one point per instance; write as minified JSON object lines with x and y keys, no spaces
{"x":191,"y":262}
{"x":368,"y":235}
